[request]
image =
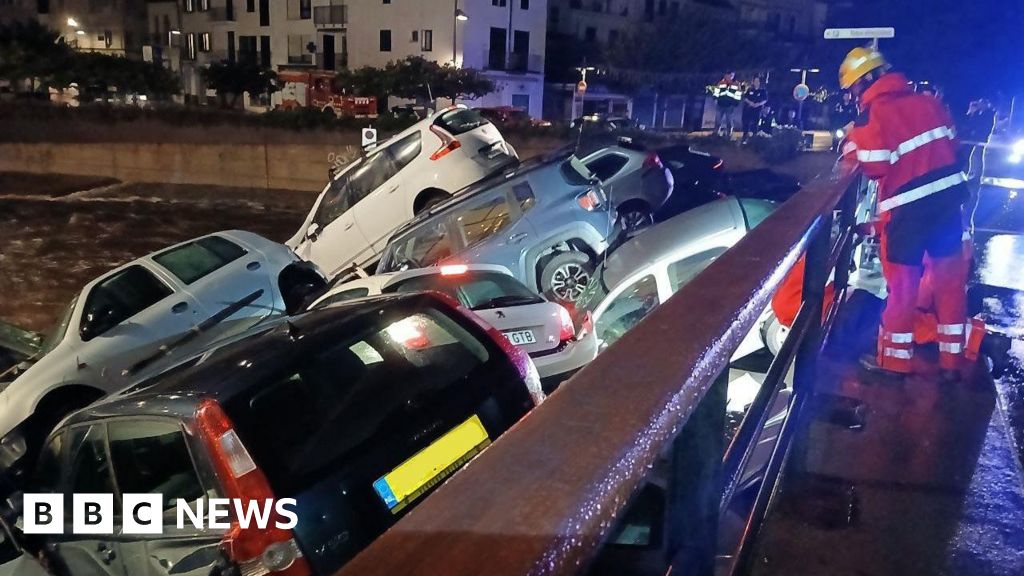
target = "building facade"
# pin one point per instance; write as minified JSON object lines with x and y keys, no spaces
{"x":116,"y":27}
{"x":504,"y":39}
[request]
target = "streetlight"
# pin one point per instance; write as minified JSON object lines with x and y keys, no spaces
{"x":459,"y":16}
{"x":72,"y":22}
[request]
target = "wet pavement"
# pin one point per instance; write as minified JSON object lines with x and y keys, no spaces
{"x":58,"y":233}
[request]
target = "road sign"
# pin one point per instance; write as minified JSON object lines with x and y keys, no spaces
{"x":801,"y":92}
{"x":369,"y":137}
{"x":859,"y":33}
{"x":581,"y":86}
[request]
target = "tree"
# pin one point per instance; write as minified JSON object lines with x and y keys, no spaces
{"x":415,"y":78}
{"x":231,"y":79}
{"x":95,"y":73}
{"x":31,"y":51}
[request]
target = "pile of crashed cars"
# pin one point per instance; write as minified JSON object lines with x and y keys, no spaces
{"x":233,"y":366}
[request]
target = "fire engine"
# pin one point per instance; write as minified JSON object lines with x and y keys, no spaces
{"x":316,"y":89}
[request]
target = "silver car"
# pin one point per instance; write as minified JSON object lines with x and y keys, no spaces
{"x":636,"y":181}
{"x":548,"y":221}
{"x":545,"y":330}
{"x":647,"y":270}
{"x":123,"y":321}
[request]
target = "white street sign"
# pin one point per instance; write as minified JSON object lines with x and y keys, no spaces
{"x":859,"y":33}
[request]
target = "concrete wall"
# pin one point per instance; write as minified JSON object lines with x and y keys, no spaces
{"x":291,"y":167}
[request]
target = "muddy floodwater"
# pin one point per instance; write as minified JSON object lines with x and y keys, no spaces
{"x":58,"y":232}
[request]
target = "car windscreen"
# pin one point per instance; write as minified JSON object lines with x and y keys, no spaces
{"x":476,"y":289}
{"x":575,"y":172}
{"x":345,"y":398}
{"x":756,"y":211}
{"x":460,"y":121}
{"x":422,"y":246}
{"x":57,"y":334}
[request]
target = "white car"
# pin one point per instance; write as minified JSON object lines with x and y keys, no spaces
{"x":361,"y":207}
{"x":545,"y":330}
{"x":647,"y":270}
{"x":125,"y":320}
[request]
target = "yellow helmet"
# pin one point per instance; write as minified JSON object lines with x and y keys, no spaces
{"x":859,"y":62}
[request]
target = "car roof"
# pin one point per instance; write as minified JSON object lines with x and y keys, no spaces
{"x":664,"y":239}
{"x":380,"y":282}
{"x":233,"y":367}
{"x":485,"y":185}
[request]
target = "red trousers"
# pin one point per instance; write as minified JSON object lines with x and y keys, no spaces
{"x":939,"y":287}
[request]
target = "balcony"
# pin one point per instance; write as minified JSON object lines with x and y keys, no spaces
{"x":304,"y":59}
{"x":330,"y":16}
{"x":513,"y":62}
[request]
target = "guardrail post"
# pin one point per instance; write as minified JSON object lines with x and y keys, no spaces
{"x":847,"y":221}
{"x":695,"y":485}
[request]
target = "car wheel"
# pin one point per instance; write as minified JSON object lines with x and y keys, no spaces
{"x":635,"y":218}
{"x":566,"y":276}
{"x":774,"y":335}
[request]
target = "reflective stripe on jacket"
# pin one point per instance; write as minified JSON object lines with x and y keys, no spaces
{"x":906,"y":141}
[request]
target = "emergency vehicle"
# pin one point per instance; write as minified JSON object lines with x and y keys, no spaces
{"x":315,"y":89}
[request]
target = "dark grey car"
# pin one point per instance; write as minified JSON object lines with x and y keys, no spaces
{"x":548,"y":221}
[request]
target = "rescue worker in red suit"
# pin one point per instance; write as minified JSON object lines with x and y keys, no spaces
{"x":907,"y":142}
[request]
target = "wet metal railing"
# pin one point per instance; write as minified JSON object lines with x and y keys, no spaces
{"x":544,"y":497}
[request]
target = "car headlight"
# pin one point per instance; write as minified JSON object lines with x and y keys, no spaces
{"x":1017,"y":152}
{"x":840,"y":133}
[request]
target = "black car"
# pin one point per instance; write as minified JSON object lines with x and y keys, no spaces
{"x":698,"y":178}
{"x":357,"y":411}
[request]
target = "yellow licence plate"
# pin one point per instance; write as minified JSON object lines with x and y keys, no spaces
{"x":429,"y":466}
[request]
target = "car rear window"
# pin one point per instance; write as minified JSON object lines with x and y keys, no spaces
{"x":460,"y":121}
{"x":346,"y":401}
{"x":476,"y":290}
{"x":192,"y":261}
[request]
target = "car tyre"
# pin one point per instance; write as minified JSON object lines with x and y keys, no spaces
{"x":774,"y":335}
{"x":565,"y":277}
{"x":635,"y":217}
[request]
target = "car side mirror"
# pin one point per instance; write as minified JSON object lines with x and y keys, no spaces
{"x":96,"y":322}
{"x":313,"y":232}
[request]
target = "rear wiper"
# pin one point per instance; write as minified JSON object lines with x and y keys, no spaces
{"x":507,"y":300}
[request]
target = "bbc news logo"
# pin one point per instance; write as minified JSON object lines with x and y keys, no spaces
{"x":144,"y":513}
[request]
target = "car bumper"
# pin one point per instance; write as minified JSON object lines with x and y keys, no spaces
{"x":575,"y":355}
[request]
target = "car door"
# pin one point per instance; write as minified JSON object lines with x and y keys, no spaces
{"x":333,"y":240}
{"x":389,"y":203}
{"x":229,"y":283}
{"x":152,"y":456}
{"x":126,"y":317}
{"x":87,"y":471}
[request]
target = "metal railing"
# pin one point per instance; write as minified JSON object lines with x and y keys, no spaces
{"x":544,"y":497}
{"x":335,"y":15}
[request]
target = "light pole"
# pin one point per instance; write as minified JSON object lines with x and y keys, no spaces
{"x":581,"y":87}
{"x":457,"y":16}
{"x":803,"y":80}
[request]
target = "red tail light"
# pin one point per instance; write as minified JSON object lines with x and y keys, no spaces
{"x":521,"y":360}
{"x":567,"y":330}
{"x":269,"y":550}
{"x":448,"y":144}
{"x":652,"y":161}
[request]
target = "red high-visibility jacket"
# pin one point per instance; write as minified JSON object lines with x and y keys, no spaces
{"x":907,"y":142}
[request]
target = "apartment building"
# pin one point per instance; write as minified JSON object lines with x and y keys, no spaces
{"x":115,"y":27}
{"x":790,"y":19}
{"x":505,"y":39}
{"x":17,"y":11}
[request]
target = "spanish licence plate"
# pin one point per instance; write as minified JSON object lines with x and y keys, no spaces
{"x":521,"y":337}
{"x":428,"y":467}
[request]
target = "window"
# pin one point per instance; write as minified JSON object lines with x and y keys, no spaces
{"x":250,"y":5}
{"x":385,"y":40}
{"x":190,"y":46}
{"x":682,"y":271}
{"x":607,"y":166}
{"x":190,"y":5}
{"x":415,"y":36}
{"x":352,"y":186}
{"x":343,"y":296}
{"x":499,"y":2}
{"x":343,"y":401}
{"x":89,"y":464}
{"x":387,"y":1}
{"x":229,"y":9}
{"x":406,"y":150}
{"x":575,"y":172}
{"x":662,"y":7}
{"x":460,"y":121}
{"x":523,"y":194}
{"x":298,"y":49}
{"x":613,"y":36}
{"x":627,"y":310}
{"x":476,"y":290}
{"x":299,"y":10}
{"x":152,"y":457}
{"x":427,"y":41}
{"x":590,"y":35}
{"x":792,"y":25}
{"x":265,"y":51}
{"x":487,"y":218}
{"x":524,"y":4}
{"x":43,"y":6}
{"x":231,"y":46}
{"x":265,"y":17}
{"x":424,"y":246}
{"x":204,"y":5}
{"x":204,"y":42}
{"x":648,"y":10}
{"x":520,"y":49}
{"x":197,"y":259}
{"x":247,"y":49}
{"x":124,"y":295}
